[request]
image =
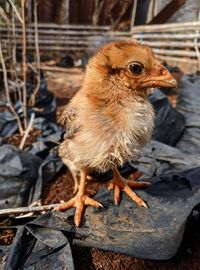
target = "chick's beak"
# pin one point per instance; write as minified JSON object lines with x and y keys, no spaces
{"x":160,"y":77}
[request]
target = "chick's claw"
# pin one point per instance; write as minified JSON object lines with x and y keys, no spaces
{"x":79,"y":201}
{"x":119,"y":183}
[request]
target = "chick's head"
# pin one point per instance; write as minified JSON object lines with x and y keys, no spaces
{"x":129,"y":66}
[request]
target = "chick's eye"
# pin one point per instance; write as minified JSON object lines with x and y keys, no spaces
{"x":136,"y":68}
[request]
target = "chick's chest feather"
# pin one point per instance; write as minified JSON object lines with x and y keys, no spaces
{"x":109,"y":133}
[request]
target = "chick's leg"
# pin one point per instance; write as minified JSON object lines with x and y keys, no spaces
{"x":119,"y":183}
{"x":79,"y":201}
{"x":74,"y":172}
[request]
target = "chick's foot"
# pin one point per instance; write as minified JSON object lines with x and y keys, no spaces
{"x":79,"y":201}
{"x":119,"y":184}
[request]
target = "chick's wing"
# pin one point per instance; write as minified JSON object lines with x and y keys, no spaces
{"x":68,"y":120}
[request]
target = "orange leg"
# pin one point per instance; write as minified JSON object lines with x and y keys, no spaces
{"x":79,"y":201}
{"x":119,"y":183}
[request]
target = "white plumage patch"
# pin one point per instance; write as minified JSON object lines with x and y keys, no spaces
{"x":106,"y":141}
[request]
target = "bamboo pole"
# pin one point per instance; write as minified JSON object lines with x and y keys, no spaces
{"x":71,"y":26}
{"x":79,"y":35}
{"x":166,"y":27}
{"x":178,"y":36}
{"x":56,"y":48}
{"x":177,"y":59}
{"x":68,"y":32}
{"x":175,"y":52}
{"x":135,"y":29}
{"x":171,"y":44}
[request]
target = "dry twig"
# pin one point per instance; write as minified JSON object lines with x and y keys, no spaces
{"x":32,"y":99}
{"x":134,"y":8}
{"x":28,"y":209}
{"x":195,"y":41}
{"x":4,"y":16}
{"x":24,"y":62}
{"x":126,"y":5}
{"x":97,"y":11}
{"x":14,"y":58}
{"x":9,"y":103}
{"x":16,"y":12}
{"x":21,"y":146}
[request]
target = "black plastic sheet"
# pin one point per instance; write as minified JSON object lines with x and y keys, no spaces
{"x":169,"y":123}
{"x":45,"y":107}
{"x":153,"y":233}
{"x":49,"y":167}
{"x":18,"y":174}
{"x":50,"y":137}
{"x":39,"y":248}
{"x":158,"y":158}
{"x":188,"y":104}
{"x":22,"y":175}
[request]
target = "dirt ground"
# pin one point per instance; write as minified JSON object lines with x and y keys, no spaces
{"x":64,"y":85}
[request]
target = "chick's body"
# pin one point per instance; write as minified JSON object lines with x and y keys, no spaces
{"x":110,"y":118}
{"x":108,"y":133}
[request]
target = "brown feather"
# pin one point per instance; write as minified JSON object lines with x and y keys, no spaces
{"x":110,"y":119}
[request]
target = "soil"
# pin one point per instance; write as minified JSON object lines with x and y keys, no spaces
{"x":15,"y":139}
{"x":6,"y":237}
{"x":61,"y":188}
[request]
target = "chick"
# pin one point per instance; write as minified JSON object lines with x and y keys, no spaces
{"x":110,"y":119}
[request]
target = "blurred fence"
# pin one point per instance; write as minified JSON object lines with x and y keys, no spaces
{"x":174,"y":42}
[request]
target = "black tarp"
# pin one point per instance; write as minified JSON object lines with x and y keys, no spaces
{"x":153,"y":233}
{"x":169,"y":123}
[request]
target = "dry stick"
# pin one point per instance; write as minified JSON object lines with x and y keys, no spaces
{"x":141,"y":28}
{"x":24,"y":62}
{"x":21,"y":146}
{"x":124,"y":9}
{"x":28,"y":209}
{"x":7,"y":92}
{"x":9,"y":48}
{"x":176,"y":59}
{"x":196,"y":48}
{"x":68,"y":32}
{"x":166,"y":27}
{"x":14,"y":60}
{"x":97,"y":11}
{"x":180,"y":44}
{"x":31,"y":101}
{"x":163,"y":35}
{"x":60,"y":69}
{"x":36,"y":36}
{"x":175,"y":52}
{"x":16,"y":12}
{"x":133,"y":14}
{"x":4,"y":16}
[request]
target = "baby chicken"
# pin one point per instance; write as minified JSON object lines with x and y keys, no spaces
{"x":110,"y":119}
